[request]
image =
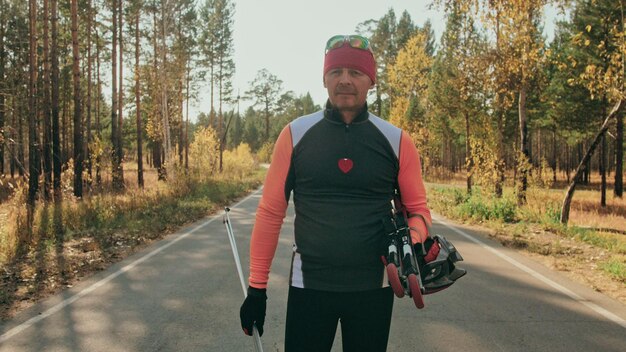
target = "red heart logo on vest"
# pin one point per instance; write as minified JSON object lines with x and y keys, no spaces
{"x":345,"y":165}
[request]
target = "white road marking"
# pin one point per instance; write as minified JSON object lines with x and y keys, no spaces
{"x":538,"y":276}
{"x":25,"y":325}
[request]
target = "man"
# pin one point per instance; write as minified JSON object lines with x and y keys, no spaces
{"x":343,"y":165}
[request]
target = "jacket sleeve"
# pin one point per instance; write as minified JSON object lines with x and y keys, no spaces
{"x":271,"y":212}
{"x":412,"y":189}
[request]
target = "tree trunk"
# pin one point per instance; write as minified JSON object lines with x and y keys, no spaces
{"x":2,"y":99}
{"x":267,"y":121}
{"x":22,"y":135}
{"x":222,"y":138}
{"x":579,"y":156}
{"x":47,"y":133}
{"x":187,"y":120}
{"x":181,"y":129}
{"x":602,"y":163}
{"x":88,"y":142}
{"x":567,"y":159}
{"x":33,"y":134}
{"x":603,"y":171}
{"x":610,"y":161}
{"x":120,"y":101}
{"x":498,"y":187}
{"x":98,"y":97}
{"x":17,"y":156}
{"x":158,"y":161}
{"x":570,"y":191}
{"x":468,"y":153}
{"x":499,"y":184}
{"x":220,"y":116}
{"x":56,"y":138}
{"x":78,"y":128}
{"x":538,"y":155}
{"x":619,"y":138}
{"x":117,"y":180}
{"x":138,"y":104}
{"x":33,"y":143}
{"x":66,"y":104}
{"x":588,"y":170}
{"x":212,"y":80}
{"x":11,"y":134}
{"x":157,"y":138}
{"x":12,"y":151}
{"x":553,"y":158}
{"x":524,"y":162}
{"x":619,"y":157}
{"x":167,"y":143}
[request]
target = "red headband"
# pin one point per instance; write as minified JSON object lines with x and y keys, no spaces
{"x":349,"y":57}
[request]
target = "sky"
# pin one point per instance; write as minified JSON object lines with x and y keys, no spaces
{"x":287,"y":37}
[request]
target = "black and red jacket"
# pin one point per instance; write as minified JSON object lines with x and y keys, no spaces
{"x":343,"y":178}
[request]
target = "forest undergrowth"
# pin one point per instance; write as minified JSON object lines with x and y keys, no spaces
{"x":591,"y":249}
{"x":77,"y":238}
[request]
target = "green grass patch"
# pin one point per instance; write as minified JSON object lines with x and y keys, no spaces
{"x":615,"y":267}
{"x":612,"y":242}
{"x":540,"y":211}
{"x":478,"y":207}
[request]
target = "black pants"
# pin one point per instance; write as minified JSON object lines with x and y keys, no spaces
{"x":312,"y":318}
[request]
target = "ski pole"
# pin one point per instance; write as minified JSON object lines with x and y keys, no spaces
{"x":258,"y":346}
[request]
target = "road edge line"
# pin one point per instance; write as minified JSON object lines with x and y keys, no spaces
{"x":596,"y":308}
{"x":68,"y":301}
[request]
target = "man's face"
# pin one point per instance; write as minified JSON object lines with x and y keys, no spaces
{"x":347,"y":88}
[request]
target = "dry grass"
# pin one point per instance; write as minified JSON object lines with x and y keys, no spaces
{"x":78,"y":237}
{"x":591,"y":249}
{"x":585,"y":209}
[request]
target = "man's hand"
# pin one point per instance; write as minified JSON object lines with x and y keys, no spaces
{"x":426,"y":252}
{"x":252,"y":310}
{"x":438,"y":273}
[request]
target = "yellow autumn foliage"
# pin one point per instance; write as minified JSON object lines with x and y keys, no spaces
{"x":408,"y":79}
{"x":204,"y":152}
{"x":239,"y":162}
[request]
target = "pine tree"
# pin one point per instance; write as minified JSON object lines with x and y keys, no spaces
{"x":457,"y":89}
{"x":54,"y":81}
{"x":78,"y":125}
{"x":597,"y":29}
{"x":265,"y":91}
{"x":33,"y":140}
{"x":136,"y":10}
{"x":116,"y":167}
{"x":45,"y":106}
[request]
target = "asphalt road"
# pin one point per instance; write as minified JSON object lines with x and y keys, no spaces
{"x":183,"y":294}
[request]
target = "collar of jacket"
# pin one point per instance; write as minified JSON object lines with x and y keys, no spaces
{"x":332,"y":114}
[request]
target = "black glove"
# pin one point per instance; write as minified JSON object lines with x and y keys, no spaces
{"x":426,"y":252}
{"x":438,"y":273}
{"x":252,"y":310}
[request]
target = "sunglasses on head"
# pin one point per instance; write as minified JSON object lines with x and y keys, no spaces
{"x":355,"y":41}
